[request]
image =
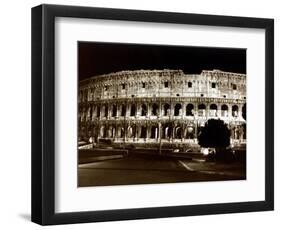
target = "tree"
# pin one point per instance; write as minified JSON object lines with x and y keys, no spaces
{"x":215,"y":134}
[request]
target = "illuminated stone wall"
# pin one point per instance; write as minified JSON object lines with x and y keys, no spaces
{"x":152,"y":106}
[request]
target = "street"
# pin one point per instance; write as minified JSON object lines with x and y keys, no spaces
{"x":151,"y":169}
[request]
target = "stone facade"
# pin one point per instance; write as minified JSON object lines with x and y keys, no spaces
{"x":160,"y":106}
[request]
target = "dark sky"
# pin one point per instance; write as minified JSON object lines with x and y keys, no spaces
{"x":100,"y":58}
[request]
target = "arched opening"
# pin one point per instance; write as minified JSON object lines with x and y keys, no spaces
{"x":102,"y":132}
{"x":235,"y":111}
{"x":91,"y":112}
{"x":154,"y":132}
{"x":83,"y":114}
{"x":130,"y":132}
{"x":189,"y":84}
{"x":154,"y":109}
{"x":98,"y":111}
{"x":177,"y":110}
{"x":201,"y":110}
{"x":189,"y":110}
{"x":163,"y":136}
{"x":143,"y":132}
{"x":167,"y":132}
{"x":119,"y":131}
{"x":166,"y":109}
{"x":213,"y":110}
{"x":133,"y":110}
{"x":114,"y":111}
{"x":213,"y":107}
{"x":105,"y":112}
{"x":109,"y":132}
{"x":189,"y":132}
{"x":123,"y":110}
{"x":85,"y":95}
{"x":224,"y":110}
{"x":178,"y":133}
{"x":134,"y":131}
{"x":143,"y":110}
{"x":113,"y":132}
{"x":122,"y":133}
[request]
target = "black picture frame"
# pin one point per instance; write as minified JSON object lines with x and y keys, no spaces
{"x":43,"y":110}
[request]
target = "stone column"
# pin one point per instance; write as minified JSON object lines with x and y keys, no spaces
{"x":85,"y":113}
{"x":135,"y":132}
{"x":107,"y":131}
{"x":138,"y":109}
{"x":94,"y":112}
{"x":147,"y":131}
{"x":241,"y":132}
{"x":195,"y":110}
{"x":128,"y":109}
{"x":125,"y":132}
{"x":159,"y":132}
{"x":108,"y":111}
{"x":182,"y":133}
{"x":138,"y":131}
{"x":240,"y":111}
{"x":172,"y":110}
{"x":89,"y":95}
{"x":82,"y":115}
{"x":117,"y":110}
{"x":219,"y":110}
{"x":100,"y":112}
{"x":88,"y":113}
{"x":148,"y":112}
{"x":183,"y":109}
{"x":115,"y":132}
{"x":196,"y":129}
{"x":160,"y":109}
{"x":173,"y":133}
{"x":229,"y":114}
{"x":156,"y":132}
{"x":85,"y":95}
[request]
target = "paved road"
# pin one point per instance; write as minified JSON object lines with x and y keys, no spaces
{"x":143,"y":169}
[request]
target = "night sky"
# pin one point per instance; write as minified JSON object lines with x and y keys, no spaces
{"x":102,"y":58}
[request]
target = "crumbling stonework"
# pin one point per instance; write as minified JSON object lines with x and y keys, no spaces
{"x":153,"y":106}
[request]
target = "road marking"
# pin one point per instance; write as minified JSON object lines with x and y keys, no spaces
{"x":199,"y":160}
{"x":186,"y":166}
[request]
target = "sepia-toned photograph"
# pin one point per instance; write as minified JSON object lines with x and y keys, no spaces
{"x":150,"y":114}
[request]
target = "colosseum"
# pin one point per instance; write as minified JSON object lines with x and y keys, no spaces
{"x":151,"y":107}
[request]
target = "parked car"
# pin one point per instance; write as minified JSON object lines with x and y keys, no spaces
{"x":208,"y":151}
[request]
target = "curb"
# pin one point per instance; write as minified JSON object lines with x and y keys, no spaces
{"x":100,"y":158}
